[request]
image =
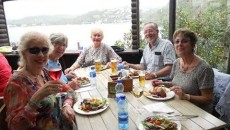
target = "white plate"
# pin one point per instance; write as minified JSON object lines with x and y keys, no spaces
{"x":169,"y":95}
{"x":85,"y":85}
{"x":77,"y":109}
{"x":141,"y":127}
{"x":135,"y":77}
{"x":132,"y":70}
{"x":5,"y":49}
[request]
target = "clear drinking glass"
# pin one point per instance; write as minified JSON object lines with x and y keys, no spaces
{"x":114,"y":66}
{"x":137,"y":91}
{"x":142,"y":78}
{"x":97,"y":64}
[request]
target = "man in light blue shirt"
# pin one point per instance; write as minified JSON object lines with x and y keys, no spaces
{"x":158,"y":54}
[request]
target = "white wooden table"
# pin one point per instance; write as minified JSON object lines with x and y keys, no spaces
{"x":107,"y":120}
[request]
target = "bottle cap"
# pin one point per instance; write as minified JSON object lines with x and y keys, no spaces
{"x":92,"y":67}
{"x":122,"y":97}
{"x":119,"y":81}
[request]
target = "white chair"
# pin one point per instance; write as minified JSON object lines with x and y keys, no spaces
{"x":222,"y":96}
{"x":3,"y":123}
{"x":221,"y":81}
{"x":223,"y":106}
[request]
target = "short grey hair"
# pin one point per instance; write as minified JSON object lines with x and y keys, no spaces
{"x":154,"y":25}
{"x":97,"y":31}
{"x":58,"y":38}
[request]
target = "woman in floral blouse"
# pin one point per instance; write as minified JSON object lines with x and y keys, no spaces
{"x":98,"y":50}
{"x":30,"y":96}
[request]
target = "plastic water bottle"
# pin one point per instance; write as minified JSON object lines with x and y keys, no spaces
{"x":119,"y":89}
{"x":123,"y":120}
{"x":120,"y":66}
{"x":93,"y":79}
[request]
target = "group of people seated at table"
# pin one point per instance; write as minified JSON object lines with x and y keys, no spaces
{"x":30,"y":95}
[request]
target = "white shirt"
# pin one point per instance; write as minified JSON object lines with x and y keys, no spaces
{"x":157,"y":57}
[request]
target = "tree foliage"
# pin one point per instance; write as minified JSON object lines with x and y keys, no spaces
{"x":208,"y":21}
{"x":210,"y":25}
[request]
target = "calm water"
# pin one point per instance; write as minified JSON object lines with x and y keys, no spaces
{"x":76,"y":33}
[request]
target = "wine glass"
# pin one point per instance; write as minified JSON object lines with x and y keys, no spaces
{"x":55,"y":73}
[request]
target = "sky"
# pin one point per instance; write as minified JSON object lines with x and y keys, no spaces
{"x":23,"y":8}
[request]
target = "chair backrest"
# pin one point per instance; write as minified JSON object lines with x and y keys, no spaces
{"x":222,"y":95}
{"x":223,"y":106}
{"x":3,"y":123}
{"x":221,"y":81}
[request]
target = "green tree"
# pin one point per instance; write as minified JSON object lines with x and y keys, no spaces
{"x":209,"y":23}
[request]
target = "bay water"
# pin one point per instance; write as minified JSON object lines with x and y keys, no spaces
{"x":75,"y":33}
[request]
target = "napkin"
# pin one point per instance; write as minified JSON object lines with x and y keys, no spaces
{"x":84,"y":89}
{"x":158,"y":108}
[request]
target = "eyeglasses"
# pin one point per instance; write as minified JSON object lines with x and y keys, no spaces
{"x":59,"y":44}
{"x":37,"y":50}
{"x":182,"y":41}
{"x":150,"y":31}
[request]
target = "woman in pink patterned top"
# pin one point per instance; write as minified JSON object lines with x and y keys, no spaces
{"x":30,"y":95}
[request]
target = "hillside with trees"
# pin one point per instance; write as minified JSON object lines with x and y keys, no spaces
{"x":120,"y":15}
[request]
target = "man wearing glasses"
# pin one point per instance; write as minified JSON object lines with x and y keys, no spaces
{"x":158,"y":55}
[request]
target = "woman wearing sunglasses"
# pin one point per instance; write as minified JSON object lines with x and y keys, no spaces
{"x":192,"y":77}
{"x":30,"y":95}
{"x":60,"y":43}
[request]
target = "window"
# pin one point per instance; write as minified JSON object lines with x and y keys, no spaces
{"x":75,"y":18}
{"x":158,"y":12}
{"x":209,"y":20}
{"x":4,"y":40}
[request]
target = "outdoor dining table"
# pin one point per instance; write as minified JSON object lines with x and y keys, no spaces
{"x":108,"y":119}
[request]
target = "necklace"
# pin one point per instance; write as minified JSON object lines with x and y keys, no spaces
{"x":186,"y":67}
{"x":32,"y":76}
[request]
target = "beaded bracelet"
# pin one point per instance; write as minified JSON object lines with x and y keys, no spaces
{"x":38,"y":105}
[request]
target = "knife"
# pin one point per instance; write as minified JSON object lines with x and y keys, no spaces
{"x":182,"y":116}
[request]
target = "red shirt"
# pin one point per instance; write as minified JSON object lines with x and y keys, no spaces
{"x":5,"y":73}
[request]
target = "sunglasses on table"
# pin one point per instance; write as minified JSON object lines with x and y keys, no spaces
{"x":37,"y":50}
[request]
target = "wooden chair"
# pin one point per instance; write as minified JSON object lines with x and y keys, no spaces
{"x":3,"y":123}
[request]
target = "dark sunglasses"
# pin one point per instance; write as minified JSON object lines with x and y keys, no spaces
{"x":37,"y":50}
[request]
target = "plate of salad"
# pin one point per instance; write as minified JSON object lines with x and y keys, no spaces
{"x":157,"y":122}
{"x":91,"y":106}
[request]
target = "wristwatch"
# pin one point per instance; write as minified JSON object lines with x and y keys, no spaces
{"x":187,"y":96}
